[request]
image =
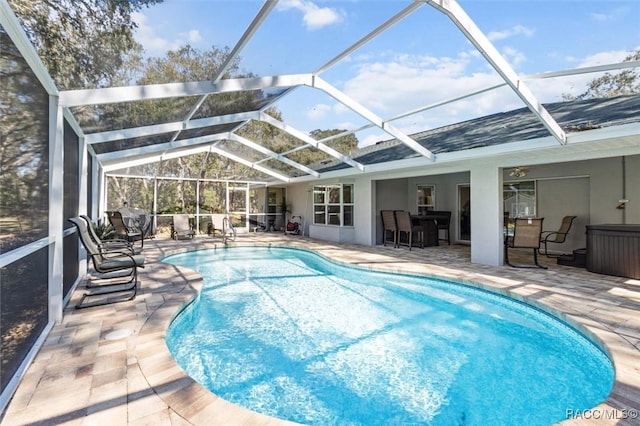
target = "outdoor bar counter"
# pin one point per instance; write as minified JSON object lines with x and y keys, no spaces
{"x":614,"y":250}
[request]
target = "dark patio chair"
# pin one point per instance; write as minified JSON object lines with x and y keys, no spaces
{"x":526,"y":235}
{"x":112,"y":243}
{"x":117,"y":269}
{"x":557,"y":237}
{"x":443,"y":223}
{"x":389,"y":227}
{"x":124,"y":231}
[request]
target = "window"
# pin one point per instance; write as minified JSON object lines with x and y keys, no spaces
{"x":520,"y":199}
{"x":333,"y":205}
{"x":426,"y":199}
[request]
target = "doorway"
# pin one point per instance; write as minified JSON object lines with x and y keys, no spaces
{"x":464,"y":213}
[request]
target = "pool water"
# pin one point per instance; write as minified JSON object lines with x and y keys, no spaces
{"x":289,"y":334}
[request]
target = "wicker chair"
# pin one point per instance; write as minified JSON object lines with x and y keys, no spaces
{"x":526,"y":235}
{"x":389,"y":227}
{"x":405,"y":226}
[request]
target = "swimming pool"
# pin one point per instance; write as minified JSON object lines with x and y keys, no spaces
{"x":289,"y":334}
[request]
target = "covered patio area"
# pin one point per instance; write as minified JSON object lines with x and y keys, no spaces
{"x":110,"y":364}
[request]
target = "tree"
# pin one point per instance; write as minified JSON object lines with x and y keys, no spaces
{"x":625,"y":82}
{"x":83,"y":43}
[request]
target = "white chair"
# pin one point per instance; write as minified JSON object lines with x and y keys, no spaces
{"x":221,"y":226}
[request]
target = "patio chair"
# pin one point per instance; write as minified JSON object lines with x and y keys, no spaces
{"x":294,"y":226}
{"x":443,"y":223}
{"x":112,"y":243}
{"x":221,"y":226}
{"x":117,"y":269}
{"x":526,"y":235}
{"x":389,"y":227}
{"x":406,"y":227}
{"x":557,"y":237}
{"x":180,"y":227}
{"x":124,"y":231}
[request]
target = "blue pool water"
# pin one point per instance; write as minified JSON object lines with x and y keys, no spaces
{"x":286,"y":333}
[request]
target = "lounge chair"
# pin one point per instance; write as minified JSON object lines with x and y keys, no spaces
{"x":180,"y":227}
{"x":389,"y":227}
{"x":221,"y":226}
{"x":294,"y":226}
{"x":112,"y":243}
{"x":117,"y":269}
{"x":124,"y":231}
{"x":526,"y":235}
{"x":557,"y":237}
{"x":406,"y":226}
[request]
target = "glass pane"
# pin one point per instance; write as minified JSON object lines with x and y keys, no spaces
{"x":334,"y":194}
{"x":238,"y":220}
{"x":520,"y":199}
{"x":24,"y":144}
{"x":425,"y":195}
{"x":125,"y":115}
{"x":256,"y":200}
{"x":347,"y":194}
{"x":348,"y":216}
{"x":71,"y":193}
{"x":318,"y":194}
{"x":334,"y":215}
{"x":312,"y":157}
{"x":176,"y":196}
{"x":237,"y":200}
{"x":270,"y":137}
{"x":69,"y":262}
{"x":234,"y":102}
{"x":24,"y":309}
{"x":139,"y":142}
{"x":319,"y":215}
{"x":213,"y":197}
{"x":209,"y":130}
{"x":136,"y":192}
{"x":242,"y":151}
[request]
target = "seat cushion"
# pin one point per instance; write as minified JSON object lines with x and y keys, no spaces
{"x":121,"y":262}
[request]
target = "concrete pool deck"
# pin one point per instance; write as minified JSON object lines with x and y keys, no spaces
{"x":110,"y":364}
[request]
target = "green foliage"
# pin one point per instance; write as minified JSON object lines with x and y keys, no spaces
{"x":104,"y":231}
{"x":626,"y":82}
{"x":83,"y":43}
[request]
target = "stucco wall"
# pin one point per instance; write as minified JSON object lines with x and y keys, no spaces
{"x":592,"y":188}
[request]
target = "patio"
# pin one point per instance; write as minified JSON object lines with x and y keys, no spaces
{"x":110,"y":365}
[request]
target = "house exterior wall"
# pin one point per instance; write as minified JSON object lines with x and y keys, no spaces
{"x":390,"y":195}
{"x":592,"y":189}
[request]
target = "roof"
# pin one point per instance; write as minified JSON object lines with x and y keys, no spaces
{"x":123,"y":127}
{"x":502,"y":128}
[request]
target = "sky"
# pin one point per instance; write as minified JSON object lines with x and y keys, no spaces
{"x":420,"y":61}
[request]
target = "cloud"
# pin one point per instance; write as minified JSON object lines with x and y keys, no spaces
{"x":154,"y":44}
{"x":511,"y":32}
{"x":193,"y":36}
{"x":600,"y":58}
{"x":314,"y":17}
{"x":514,"y":56}
{"x":612,"y":15}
